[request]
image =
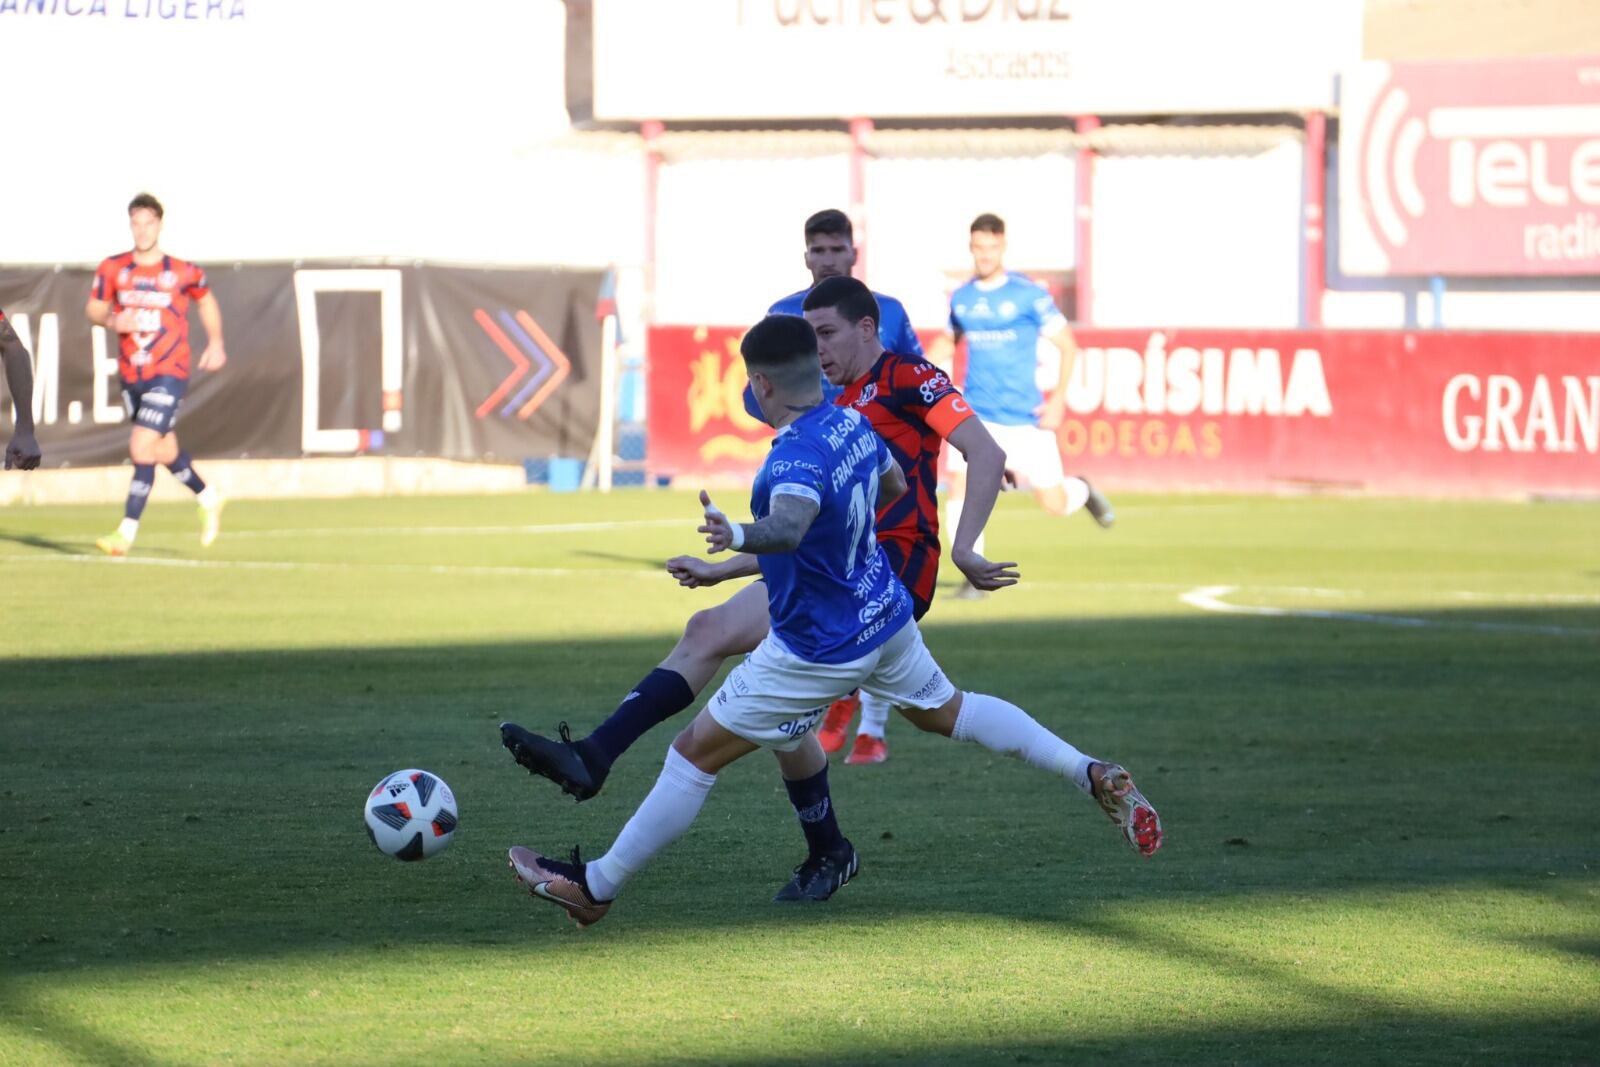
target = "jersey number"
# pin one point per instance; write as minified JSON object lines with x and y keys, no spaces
{"x":860,"y":520}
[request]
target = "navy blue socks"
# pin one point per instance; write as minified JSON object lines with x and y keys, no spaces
{"x":815,"y":809}
{"x":659,"y":696}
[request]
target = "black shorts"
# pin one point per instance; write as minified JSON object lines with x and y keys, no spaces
{"x":153,"y":404}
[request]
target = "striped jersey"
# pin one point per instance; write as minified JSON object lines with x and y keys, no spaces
{"x":159,"y":294}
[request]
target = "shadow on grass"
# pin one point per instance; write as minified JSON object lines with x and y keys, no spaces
{"x":644,"y":563}
{"x":184,"y":810}
{"x":72,"y":548}
{"x":47,"y":544}
{"x":79,"y":1042}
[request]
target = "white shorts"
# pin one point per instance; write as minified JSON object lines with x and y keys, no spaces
{"x":774,"y":698}
{"x":1031,"y":453}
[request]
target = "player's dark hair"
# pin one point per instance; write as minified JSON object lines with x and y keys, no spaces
{"x":987,"y":223}
{"x":832,"y":222}
{"x":784,"y":348}
{"x":848,"y":296}
{"x":778,"y":340}
{"x":145,"y":200}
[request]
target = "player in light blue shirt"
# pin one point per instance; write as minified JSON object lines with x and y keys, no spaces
{"x":839,"y":619}
{"x":831,"y":253}
{"x":1003,"y":317}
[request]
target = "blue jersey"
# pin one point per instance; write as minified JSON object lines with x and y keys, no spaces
{"x":835,"y":598}
{"x":894,"y":332}
{"x":894,"y":326}
{"x":1002,"y":326}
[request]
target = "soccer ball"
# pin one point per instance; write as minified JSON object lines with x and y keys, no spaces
{"x":411,"y":815}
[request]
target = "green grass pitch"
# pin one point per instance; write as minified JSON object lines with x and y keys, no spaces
{"x":1372,"y":728}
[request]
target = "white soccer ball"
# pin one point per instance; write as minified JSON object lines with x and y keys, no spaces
{"x":411,"y":815}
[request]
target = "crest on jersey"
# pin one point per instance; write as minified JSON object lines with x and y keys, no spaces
{"x":1007,"y":309}
{"x":123,"y":275}
{"x":868,"y":395}
{"x":167,"y":279}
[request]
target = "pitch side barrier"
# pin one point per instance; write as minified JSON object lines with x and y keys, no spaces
{"x":413,"y":362}
{"x":1422,"y":412}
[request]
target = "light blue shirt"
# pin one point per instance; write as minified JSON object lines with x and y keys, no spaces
{"x":1002,"y":326}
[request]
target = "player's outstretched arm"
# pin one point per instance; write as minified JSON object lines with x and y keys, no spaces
{"x":22,"y":452}
{"x":986,"y":467}
{"x":780,"y":531}
{"x":693,"y":572}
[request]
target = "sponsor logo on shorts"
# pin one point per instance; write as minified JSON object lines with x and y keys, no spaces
{"x":932,"y":686}
{"x":802,"y":726}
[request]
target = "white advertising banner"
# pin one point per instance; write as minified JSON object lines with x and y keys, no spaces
{"x":1486,"y":167}
{"x":796,"y":59}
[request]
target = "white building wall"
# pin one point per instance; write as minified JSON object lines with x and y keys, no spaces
{"x":730,"y":234}
{"x":309,"y":129}
{"x":920,"y":212}
{"x":1198,"y":240}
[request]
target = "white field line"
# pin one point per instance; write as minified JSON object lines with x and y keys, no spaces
{"x":689,"y":522}
{"x":1209,"y":598}
{"x":307,"y":565}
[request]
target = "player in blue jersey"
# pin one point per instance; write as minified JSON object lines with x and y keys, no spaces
{"x":735,"y":626}
{"x":840,"y":619}
{"x":831,"y":253}
{"x":1003,"y":316}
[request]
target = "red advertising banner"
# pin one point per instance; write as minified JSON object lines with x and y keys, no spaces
{"x":1471,"y":168}
{"x":1428,"y":412}
{"x":698,"y":426}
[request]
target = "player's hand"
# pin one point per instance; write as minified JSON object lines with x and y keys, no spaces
{"x":692,"y":572}
{"x":124,"y":321}
{"x":23,"y":452}
{"x":1052,"y":413}
{"x":717,"y":528}
{"x":1008,"y":480}
{"x":984,"y":574}
{"x":213,"y":357}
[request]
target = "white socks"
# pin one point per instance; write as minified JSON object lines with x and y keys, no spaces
{"x":1003,"y":727}
{"x":666,"y":813}
{"x":128,"y":528}
{"x":952,"y":519}
{"x":1077,"y":494}
{"x":208,"y":497}
{"x":874,"y":715}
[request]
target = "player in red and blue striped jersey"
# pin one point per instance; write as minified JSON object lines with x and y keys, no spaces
{"x":914,"y":407}
{"x":142,"y":298}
